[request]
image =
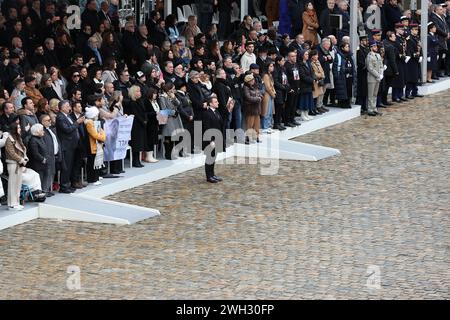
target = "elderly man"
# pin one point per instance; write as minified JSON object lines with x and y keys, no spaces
{"x":92,"y":51}
{"x":442,"y":32}
{"x":50,"y":56}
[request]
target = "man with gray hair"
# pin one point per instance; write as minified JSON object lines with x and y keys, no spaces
{"x":442,"y":32}
{"x":50,"y":57}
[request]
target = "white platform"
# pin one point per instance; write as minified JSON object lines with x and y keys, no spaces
{"x":431,"y":88}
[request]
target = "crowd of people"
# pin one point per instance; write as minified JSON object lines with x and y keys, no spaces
{"x":60,"y":85}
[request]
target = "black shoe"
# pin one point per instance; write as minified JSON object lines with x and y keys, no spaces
{"x":289,"y":124}
{"x":258,"y":140}
{"x":372,"y":114}
{"x":138,"y":165}
{"x":312,"y":113}
{"x":279,"y":127}
{"x":410,"y":97}
{"x":387,"y":103}
{"x":397,"y":100}
{"x":435,"y":78}
{"x":378,"y":113}
{"x":418,"y":95}
{"x":247,"y":140}
{"x":49,"y":194}
{"x":66,"y":191}
{"x":381,"y":106}
{"x":403,"y":99}
{"x":217,"y":178}
{"x":211,"y":180}
{"x":296,"y":123}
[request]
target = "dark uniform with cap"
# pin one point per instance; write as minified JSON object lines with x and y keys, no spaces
{"x":361,"y":55}
{"x":398,"y":83}
{"x":414,"y":51}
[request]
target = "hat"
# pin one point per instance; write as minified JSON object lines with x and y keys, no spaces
{"x":254,"y":66}
{"x":399,"y":25}
{"x":443,"y":5}
{"x":139,"y":74}
{"x":373,"y":43}
{"x":404,"y":18}
{"x":29,"y":79}
{"x":193,"y":73}
{"x":91,"y":112}
{"x":376,"y":32}
{"x":180,"y":83}
{"x":249,"y":78}
{"x":413,"y":25}
{"x":430,"y":25}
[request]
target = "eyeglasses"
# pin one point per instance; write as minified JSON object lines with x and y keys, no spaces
{"x":76,"y":75}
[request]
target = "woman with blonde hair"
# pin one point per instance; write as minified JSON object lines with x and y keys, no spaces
{"x":192,"y":29}
{"x":267,"y":109}
{"x":97,"y":138}
{"x":139,"y":130}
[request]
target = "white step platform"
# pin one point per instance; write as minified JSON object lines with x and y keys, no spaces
{"x":87,"y":204}
{"x":431,"y":88}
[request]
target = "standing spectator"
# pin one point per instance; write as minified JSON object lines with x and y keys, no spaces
{"x":413,"y":50}
{"x":81,"y":151}
{"x":152,"y":110}
{"x":90,"y":16}
{"x":47,"y":89}
{"x":97,"y":138}
{"x":310,"y":24}
{"x":168,"y":101}
{"x":224,"y":8}
{"x":398,"y":82}
{"x":293,"y":76}
{"x":16,"y":159}
{"x":393,"y":13}
{"x":361,"y":55}
{"x":326,"y":61}
{"x":139,"y":131}
{"x":191,"y":29}
{"x":307,"y":78}
{"x":248,"y":57}
{"x":343,"y":70}
{"x":282,"y":88}
{"x":27,"y":119}
{"x":442,"y":33}
{"x":67,"y":131}
{"x":186,"y":112}
{"x":267,"y":106}
{"x":432,"y":58}
{"x":50,"y":56}
{"x":53,"y":147}
{"x":252,"y":109}
{"x":319,"y":83}
{"x":40,"y":154}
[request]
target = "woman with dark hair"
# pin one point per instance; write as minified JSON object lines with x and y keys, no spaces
{"x":152,"y":109}
{"x":171,"y":27}
{"x":16,"y":159}
{"x":154,"y":80}
{"x":343,"y":73}
{"x":310,"y":24}
{"x":109,"y":70}
{"x":267,"y":108}
{"x":64,"y":49}
{"x":110,"y":48}
{"x":306,"y":101}
{"x":160,"y":34}
{"x":282,"y":87}
{"x":214,"y":51}
{"x":200,"y":40}
{"x":318,"y":72}
{"x":47,"y":89}
{"x":42,"y":108}
{"x":169,"y":102}
{"x":211,"y":33}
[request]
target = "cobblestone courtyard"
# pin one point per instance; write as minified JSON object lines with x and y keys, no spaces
{"x":316,"y":230}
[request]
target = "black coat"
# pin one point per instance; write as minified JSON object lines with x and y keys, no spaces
{"x":51,"y":58}
{"x":52,"y":158}
{"x":441,"y":30}
{"x":67,"y":132}
{"x":49,"y":93}
{"x":399,"y":80}
{"x":296,"y":8}
{"x":197,"y":98}
{"x":37,"y":151}
{"x":306,"y":78}
{"x":152,"y":125}
{"x":84,"y":145}
{"x":292,"y":72}
{"x":361,"y":84}
{"x":342,"y":69}
{"x":389,"y":59}
{"x":281,"y":85}
{"x":90,"y":17}
{"x":223,"y":92}
{"x":65,"y":54}
{"x":324,"y":19}
{"x":139,"y":130}
{"x":414,"y":51}
{"x":212,"y":120}
{"x":393,"y":15}
{"x":326,"y":60}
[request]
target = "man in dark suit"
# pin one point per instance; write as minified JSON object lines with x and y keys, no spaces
{"x":89,"y":15}
{"x":81,"y":150}
{"x":213,"y":140}
{"x":68,"y":133}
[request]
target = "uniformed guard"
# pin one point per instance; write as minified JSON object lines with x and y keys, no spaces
{"x":361,"y":55}
{"x":375,"y":70}
{"x":398,"y":83}
{"x":414,"y":52}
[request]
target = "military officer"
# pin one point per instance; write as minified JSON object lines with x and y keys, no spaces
{"x":375,"y":70}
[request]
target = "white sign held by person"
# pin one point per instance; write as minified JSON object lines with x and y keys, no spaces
{"x":118,"y":133}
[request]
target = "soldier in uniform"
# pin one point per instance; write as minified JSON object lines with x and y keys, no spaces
{"x":398,"y":83}
{"x":414,"y":52}
{"x":375,"y":70}
{"x":390,"y":52}
{"x":361,"y":55}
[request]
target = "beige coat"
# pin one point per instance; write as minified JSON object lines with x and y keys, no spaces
{"x":320,"y":74}
{"x":270,"y":92}
{"x":310,"y":27}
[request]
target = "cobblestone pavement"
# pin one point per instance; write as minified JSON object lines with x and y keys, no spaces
{"x":316,"y":230}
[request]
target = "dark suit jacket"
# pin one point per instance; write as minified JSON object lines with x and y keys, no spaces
{"x":38,"y":150}
{"x":67,"y":132}
{"x":213,"y":120}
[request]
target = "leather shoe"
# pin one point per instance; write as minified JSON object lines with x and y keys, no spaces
{"x":372,"y":114}
{"x":397,"y":100}
{"x":419,"y":96}
{"x":381,"y":106}
{"x":77,"y":185}
{"x":388,"y":103}
{"x":211,"y":180}
{"x":289,"y":124}
{"x":138,"y":165}
{"x":279,"y":127}
{"x":378,"y":113}
{"x":409,"y":97}
{"x":66,"y":191}
{"x":217,"y":178}
{"x":296,"y":123}
{"x":403,"y":99}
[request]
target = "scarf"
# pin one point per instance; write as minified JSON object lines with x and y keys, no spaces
{"x":99,"y":156}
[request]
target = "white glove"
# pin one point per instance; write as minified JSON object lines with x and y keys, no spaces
{"x":385,"y":67}
{"x":429,"y":59}
{"x":420,"y":60}
{"x":381,"y":77}
{"x":212,"y":144}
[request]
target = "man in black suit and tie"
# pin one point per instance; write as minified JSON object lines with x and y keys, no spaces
{"x":67,"y":131}
{"x":212,"y":137}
